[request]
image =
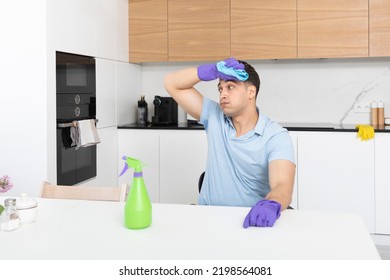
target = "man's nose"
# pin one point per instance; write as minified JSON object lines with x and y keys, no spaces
{"x":223,"y":93}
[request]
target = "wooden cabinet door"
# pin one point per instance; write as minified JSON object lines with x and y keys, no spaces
{"x":148,"y":37}
{"x":263,"y":29}
{"x":332,"y":28}
{"x":198,"y":30}
{"x":379,"y":28}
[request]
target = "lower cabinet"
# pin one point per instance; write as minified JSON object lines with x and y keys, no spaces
{"x":294,"y":138}
{"x":336,"y":173}
{"x":382,"y":183}
{"x":182,"y":160}
{"x":173,"y":161}
{"x":143,"y":145}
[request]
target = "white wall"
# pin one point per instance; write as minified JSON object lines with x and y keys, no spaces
{"x":23,"y":99}
{"x":318,"y":90}
{"x":31,"y":33}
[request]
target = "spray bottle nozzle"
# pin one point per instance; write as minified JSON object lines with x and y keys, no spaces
{"x":131,"y":162}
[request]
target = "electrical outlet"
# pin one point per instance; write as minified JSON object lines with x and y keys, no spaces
{"x":362,"y":108}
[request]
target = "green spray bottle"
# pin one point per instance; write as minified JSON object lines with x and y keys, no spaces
{"x":138,"y":209}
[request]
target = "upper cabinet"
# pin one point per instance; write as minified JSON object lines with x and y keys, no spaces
{"x":379,"y":28}
{"x":148,"y":30}
{"x":178,"y":30}
{"x":332,"y":28}
{"x":263,"y":29}
{"x":198,"y":30}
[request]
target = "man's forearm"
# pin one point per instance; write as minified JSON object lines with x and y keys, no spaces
{"x":279,"y":194}
{"x":181,"y":80}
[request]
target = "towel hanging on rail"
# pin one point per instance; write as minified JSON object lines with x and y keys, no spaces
{"x":84,"y":134}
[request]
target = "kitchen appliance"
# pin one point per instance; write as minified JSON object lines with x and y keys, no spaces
{"x":76,"y":100}
{"x":165,"y":111}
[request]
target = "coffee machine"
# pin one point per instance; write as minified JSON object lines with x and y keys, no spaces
{"x":165,"y":111}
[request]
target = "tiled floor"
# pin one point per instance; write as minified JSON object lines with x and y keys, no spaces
{"x":384,"y":251}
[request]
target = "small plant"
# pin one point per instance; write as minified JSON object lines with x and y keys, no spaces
{"x":5,"y":186}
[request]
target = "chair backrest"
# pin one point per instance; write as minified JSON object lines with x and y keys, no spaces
{"x":117,"y":193}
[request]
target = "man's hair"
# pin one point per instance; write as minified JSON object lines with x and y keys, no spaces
{"x":254,"y":78}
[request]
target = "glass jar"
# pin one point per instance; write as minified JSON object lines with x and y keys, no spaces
{"x":9,"y":219}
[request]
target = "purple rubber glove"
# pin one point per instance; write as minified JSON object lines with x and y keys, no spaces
{"x":263,"y":214}
{"x":209,"y":72}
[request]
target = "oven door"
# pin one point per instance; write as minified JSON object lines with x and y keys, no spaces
{"x":74,"y":166}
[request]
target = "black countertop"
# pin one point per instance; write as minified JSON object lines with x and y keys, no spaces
{"x":289,"y":126}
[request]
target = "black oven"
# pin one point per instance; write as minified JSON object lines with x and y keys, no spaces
{"x":75,"y":101}
{"x":75,"y":74}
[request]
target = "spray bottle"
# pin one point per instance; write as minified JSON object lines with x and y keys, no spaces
{"x":138,"y":209}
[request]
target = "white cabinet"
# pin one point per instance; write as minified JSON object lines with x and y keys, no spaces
{"x":382,"y":183}
{"x":128,"y":91}
{"x":336,"y":172}
{"x":90,"y":27}
{"x":142,"y":145}
{"x":106,"y":28}
{"x":294,"y":138}
{"x":182,"y":160}
{"x":105,"y":93}
{"x":121,"y":31}
{"x":73,"y":26}
{"x":174,"y":161}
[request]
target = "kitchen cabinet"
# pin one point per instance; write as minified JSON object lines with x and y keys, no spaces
{"x":106,"y":28}
{"x":128,"y":91}
{"x":294,"y":138}
{"x":143,"y":145}
{"x":105,"y":93}
{"x":148,"y":30}
{"x":182,"y":160}
{"x":198,"y":30}
{"x":174,"y":161}
{"x":75,"y":26}
{"x":336,"y":173}
{"x":263,"y":29}
{"x":332,"y":28}
{"x":379,"y":27}
{"x":382,"y":183}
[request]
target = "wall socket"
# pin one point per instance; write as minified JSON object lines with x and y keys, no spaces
{"x":362,"y":108}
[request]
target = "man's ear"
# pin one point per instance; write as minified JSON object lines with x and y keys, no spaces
{"x":252,"y":91}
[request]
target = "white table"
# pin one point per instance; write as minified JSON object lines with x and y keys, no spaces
{"x":72,"y":229}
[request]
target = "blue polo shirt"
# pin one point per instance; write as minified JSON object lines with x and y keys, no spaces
{"x":237,"y":167}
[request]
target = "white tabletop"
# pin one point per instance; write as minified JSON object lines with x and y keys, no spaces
{"x":75,"y":229}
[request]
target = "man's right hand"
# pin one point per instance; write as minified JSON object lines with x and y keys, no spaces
{"x":209,"y":72}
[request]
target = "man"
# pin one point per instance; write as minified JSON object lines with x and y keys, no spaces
{"x":250,"y":158}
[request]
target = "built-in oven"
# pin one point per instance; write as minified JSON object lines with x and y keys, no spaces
{"x":75,"y":101}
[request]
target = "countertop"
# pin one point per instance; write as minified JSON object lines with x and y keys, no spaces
{"x":289,"y":126}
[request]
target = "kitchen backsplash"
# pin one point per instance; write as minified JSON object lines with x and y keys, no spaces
{"x":317,"y":90}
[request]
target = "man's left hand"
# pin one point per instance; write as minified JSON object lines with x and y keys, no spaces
{"x":263,"y":214}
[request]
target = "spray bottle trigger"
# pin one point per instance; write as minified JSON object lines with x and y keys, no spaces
{"x":124,"y":169}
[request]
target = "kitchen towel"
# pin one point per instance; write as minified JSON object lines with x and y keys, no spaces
{"x":84,"y":134}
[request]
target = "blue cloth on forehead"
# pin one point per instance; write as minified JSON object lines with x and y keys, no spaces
{"x":239,"y":74}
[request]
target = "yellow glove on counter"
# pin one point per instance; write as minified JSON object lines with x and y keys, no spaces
{"x":365,"y":132}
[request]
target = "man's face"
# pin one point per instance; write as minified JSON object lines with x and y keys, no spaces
{"x":234,"y":97}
